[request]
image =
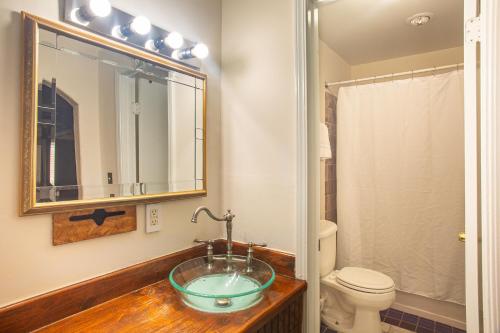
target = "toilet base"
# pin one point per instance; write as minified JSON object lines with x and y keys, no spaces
{"x":366,"y":321}
{"x":349,"y":311}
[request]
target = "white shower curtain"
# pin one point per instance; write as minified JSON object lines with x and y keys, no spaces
{"x":400,"y":168}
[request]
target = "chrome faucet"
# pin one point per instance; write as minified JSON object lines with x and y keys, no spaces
{"x":228,"y":218}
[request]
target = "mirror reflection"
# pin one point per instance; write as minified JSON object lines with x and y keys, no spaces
{"x":110,"y":125}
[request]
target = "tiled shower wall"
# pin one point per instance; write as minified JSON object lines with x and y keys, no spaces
{"x":331,"y":164}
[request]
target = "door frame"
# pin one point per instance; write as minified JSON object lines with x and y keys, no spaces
{"x":308,"y":167}
{"x":308,"y":162}
{"x":472,"y":175}
{"x":490,"y":166}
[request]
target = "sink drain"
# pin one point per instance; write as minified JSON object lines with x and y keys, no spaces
{"x":222,"y":302}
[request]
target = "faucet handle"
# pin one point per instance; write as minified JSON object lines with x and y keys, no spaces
{"x":209,"y":242}
{"x":252,"y":244}
{"x":249,"y":260}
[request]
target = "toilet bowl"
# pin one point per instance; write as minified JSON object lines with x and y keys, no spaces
{"x":352,"y":297}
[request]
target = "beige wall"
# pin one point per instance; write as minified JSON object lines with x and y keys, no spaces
{"x":259,"y":120}
{"x":413,"y":62}
{"x":331,"y":68}
{"x":30,"y":265}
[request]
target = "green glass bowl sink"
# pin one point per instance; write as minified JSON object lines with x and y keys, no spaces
{"x":215,"y":289}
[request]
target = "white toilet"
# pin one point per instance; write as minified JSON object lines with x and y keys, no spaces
{"x":352,"y":297}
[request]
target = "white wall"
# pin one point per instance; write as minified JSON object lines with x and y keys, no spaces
{"x":182,"y":114}
{"x":331,"y":68}
{"x":30,"y":265}
{"x":153,"y":137}
{"x":259,"y":120}
{"x":417,"y":61}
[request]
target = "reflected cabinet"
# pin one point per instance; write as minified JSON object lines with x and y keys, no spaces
{"x":106,"y":123}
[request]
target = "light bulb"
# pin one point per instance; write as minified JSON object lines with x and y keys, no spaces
{"x":100,"y":8}
{"x":140,"y":25}
{"x":76,"y":17}
{"x":200,"y":51}
{"x":116,"y":32}
{"x":175,"y":55}
{"x":174,"y":40}
{"x":150,"y":45}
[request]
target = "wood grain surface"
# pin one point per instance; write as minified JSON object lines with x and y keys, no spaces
{"x":65,"y":231}
{"x":158,"y":308}
{"x":48,"y":308}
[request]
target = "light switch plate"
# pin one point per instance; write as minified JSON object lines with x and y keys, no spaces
{"x":153,"y":218}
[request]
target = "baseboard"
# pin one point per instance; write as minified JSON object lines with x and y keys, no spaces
{"x":429,"y":315}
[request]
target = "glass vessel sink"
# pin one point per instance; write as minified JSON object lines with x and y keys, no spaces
{"x":213,"y":288}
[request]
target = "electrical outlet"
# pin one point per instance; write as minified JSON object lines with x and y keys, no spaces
{"x":153,"y":218}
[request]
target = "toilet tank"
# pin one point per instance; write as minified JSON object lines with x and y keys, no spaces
{"x":327,"y":246}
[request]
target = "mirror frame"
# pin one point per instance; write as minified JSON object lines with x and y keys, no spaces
{"x":29,"y":101}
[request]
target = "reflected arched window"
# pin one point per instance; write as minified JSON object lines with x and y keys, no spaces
{"x":57,"y":145}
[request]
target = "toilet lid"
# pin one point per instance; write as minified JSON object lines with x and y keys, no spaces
{"x":366,"y":280}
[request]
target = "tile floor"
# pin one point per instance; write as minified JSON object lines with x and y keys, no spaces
{"x":395,"y":321}
{"x":414,"y":323}
{"x":386,"y":328}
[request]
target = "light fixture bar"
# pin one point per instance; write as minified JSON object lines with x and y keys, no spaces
{"x":134,"y":30}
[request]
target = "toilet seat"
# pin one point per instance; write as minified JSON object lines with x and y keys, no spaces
{"x":365,"y":280}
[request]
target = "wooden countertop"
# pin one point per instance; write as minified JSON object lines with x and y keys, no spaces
{"x":158,"y":308}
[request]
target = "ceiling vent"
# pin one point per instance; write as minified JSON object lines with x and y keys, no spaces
{"x":419,"y":19}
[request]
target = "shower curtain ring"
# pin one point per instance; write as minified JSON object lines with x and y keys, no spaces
{"x":412,"y":72}
{"x":435,"y":70}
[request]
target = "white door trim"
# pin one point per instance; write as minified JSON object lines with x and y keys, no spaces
{"x":301,"y":87}
{"x":471,"y":172}
{"x":313,"y":168}
{"x":490,"y":122}
{"x":307,"y":67}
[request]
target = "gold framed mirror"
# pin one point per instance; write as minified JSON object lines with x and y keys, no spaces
{"x":105,"y":123}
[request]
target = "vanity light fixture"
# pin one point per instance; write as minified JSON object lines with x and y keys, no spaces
{"x":92,"y":9}
{"x":174,"y":40}
{"x":139,"y":25}
{"x":199,"y":51}
{"x":137,"y":31}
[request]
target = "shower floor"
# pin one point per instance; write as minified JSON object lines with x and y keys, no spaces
{"x":395,"y":321}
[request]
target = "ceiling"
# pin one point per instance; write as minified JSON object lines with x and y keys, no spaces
{"x":362,"y":31}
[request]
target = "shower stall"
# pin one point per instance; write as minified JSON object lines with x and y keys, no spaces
{"x":400,"y":181}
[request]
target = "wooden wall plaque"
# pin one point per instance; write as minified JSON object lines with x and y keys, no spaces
{"x":92,"y":223}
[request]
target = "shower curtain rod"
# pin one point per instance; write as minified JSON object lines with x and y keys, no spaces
{"x":386,"y":76}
